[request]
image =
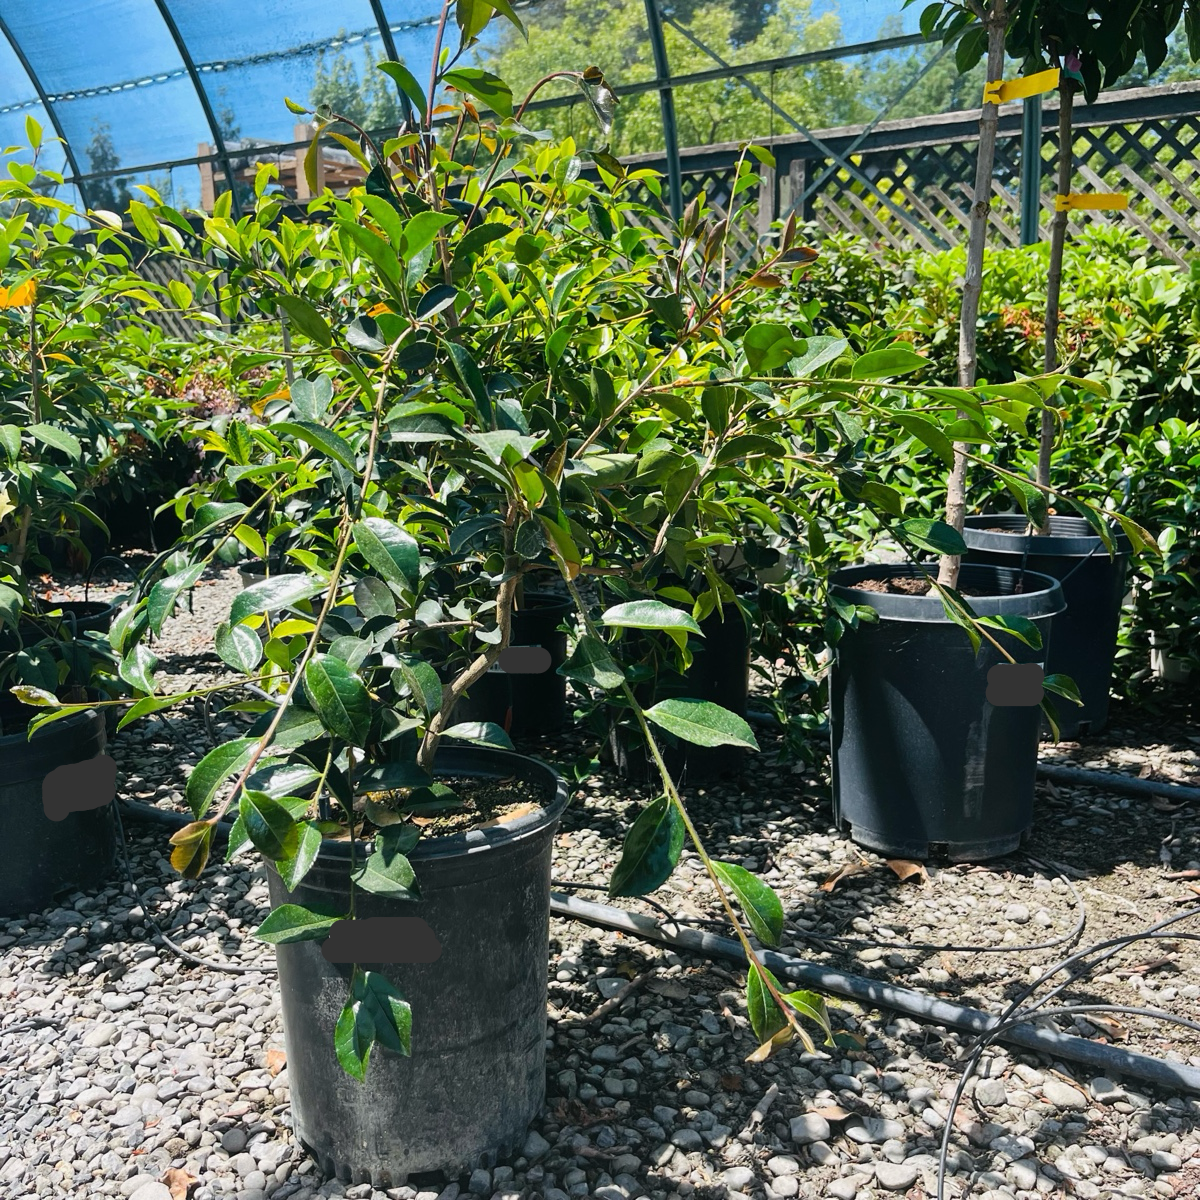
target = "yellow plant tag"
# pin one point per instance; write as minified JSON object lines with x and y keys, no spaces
{"x":1091,"y":200}
{"x":20,"y":296}
{"x":1002,"y":91}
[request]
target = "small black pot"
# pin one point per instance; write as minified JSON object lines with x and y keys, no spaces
{"x":923,"y":765}
{"x":1093,"y":585}
{"x":86,"y":616}
{"x":477,"y":1074}
{"x":720,"y":672}
{"x":45,"y":858}
{"x":526,"y":705}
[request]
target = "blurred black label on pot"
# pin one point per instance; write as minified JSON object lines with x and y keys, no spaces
{"x":79,"y":787}
{"x":382,"y":940}
{"x":525,"y":660}
{"x":1015,"y":685}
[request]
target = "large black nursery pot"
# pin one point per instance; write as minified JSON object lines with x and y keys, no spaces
{"x":44,"y":858}
{"x":720,"y":672}
{"x":923,"y":765}
{"x":1093,"y":584}
{"x":526,"y":704}
{"x":477,"y":1074}
{"x":86,"y":616}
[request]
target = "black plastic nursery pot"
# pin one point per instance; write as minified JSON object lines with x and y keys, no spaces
{"x":46,"y":858}
{"x":86,"y":616}
{"x":720,"y":672}
{"x":533,"y":704}
{"x":1093,"y":583}
{"x":923,"y":765}
{"x":476,"y":1077}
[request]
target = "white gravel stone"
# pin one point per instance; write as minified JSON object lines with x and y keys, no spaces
{"x":1062,"y":1095}
{"x":808,"y":1128}
{"x":896,"y":1177}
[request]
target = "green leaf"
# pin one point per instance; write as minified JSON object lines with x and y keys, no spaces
{"x":137,"y":668}
{"x":650,"y":851}
{"x":339,"y":698}
{"x":279,"y":591}
{"x":811,"y":1005}
{"x":484,"y":86}
{"x":269,"y":824}
{"x":59,"y":439}
{"x":419,"y":231}
{"x":10,"y":439}
{"x":1063,"y":685}
{"x":310,"y":397}
{"x":10,"y":606}
{"x":390,"y":1012}
{"x":373,"y":598}
{"x":295,"y":866}
{"x":935,"y":536}
{"x":669,"y":310}
{"x":390,"y":550}
{"x":166,"y":591}
{"x":36,"y":697}
{"x":765,"y":1018}
{"x":1022,"y":628}
{"x":208,"y":515}
{"x":748,"y":445}
{"x":303,"y":316}
{"x":1099,"y":526}
{"x":423,"y":682}
{"x":1139,"y":538}
{"x":407,"y":83}
{"x":192,"y":845}
{"x":1032,"y":500}
{"x":484,"y":732}
{"x":354,"y":1035}
{"x":769,"y":345}
{"x":218,"y":765}
{"x":887,"y":363}
{"x":702,"y":723}
{"x":388,"y":875}
{"x":592,"y":664}
{"x":239,"y":647}
{"x":648,"y":614}
{"x":759,"y":902}
{"x":331,"y":444}
{"x":927,"y":433}
{"x":505,"y":9}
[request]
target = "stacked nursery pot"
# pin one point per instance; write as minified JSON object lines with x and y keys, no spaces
{"x":1093,"y":584}
{"x":924,"y":765}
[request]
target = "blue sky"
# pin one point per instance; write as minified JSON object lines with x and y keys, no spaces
{"x":122,"y":52}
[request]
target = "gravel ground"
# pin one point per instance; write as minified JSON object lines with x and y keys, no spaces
{"x":127,"y":1072}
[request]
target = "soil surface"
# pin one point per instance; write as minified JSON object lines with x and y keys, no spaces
{"x":131,"y":1072}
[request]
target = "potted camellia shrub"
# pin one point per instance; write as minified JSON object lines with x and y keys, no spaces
{"x":932,"y":754}
{"x":1086,"y":552}
{"x":445,"y":312}
{"x":58,"y":293}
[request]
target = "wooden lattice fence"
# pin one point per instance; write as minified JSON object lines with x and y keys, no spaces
{"x":1144,"y":142}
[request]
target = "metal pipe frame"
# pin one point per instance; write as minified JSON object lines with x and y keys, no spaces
{"x":666,"y":100}
{"x":48,"y":108}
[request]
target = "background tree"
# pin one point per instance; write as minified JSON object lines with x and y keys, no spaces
{"x":112,"y":192}
{"x":368,"y":100}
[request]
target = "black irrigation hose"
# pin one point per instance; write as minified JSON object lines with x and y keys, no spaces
{"x":1118,"y":781}
{"x":875,"y":993}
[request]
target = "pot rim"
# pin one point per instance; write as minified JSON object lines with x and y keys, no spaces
{"x":1069,"y":537}
{"x":1047,"y":601}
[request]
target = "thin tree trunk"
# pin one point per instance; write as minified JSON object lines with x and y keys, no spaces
{"x":1058,"y":240}
{"x":996,"y":21}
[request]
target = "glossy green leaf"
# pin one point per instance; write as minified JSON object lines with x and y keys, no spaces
{"x":484,"y":732}
{"x":331,"y":444}
{"x":137,"y":668}
{"x":765,"y":1018}
{"x":423,"y":682}
{"x":648,"y":614}
{"x":407,"y":83}
{"x":278,"y":591}
{"x":354,"y":1036}
{"x":390,"y":1012}
{"x":592,"y":664}
{"x":296,"y":865}
{"x":390,"y":550}
{"x":59,"y":439}
{"x":887,"y":363}
{"x":1063,"y":685}
{"x":166,"y":591}
{"x":769,"y":346}
{"x":373,"y":598}
{"x":935,"y":536}
{"x":269,"y":825}
{"x":484,"y":86}
{"x":218,"y":765}
{"x":927,"y":433}
{"x":295,"y":923}
{"x":239,"y":647}
{"x":388,"y":875}
{"x":759,"y":902}
{"x":702,"y":723}
{"x":339,"y":698}
{"x":650,"y":850}
{"x":304,"y":317}
{"x":1022,"y":628}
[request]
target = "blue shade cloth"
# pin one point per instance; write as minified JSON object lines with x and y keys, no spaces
{"x":139,"y":86}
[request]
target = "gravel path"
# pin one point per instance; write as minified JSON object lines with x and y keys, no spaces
{"x":127,"y":1072}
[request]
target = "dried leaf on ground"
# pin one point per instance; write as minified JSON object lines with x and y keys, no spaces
{"x":276,"y":1061}
{"x":1146,"y":771}
{"x":782,"y":1038}
{"x":672,"y":989}
{"x":1191,"y":873}
{"x":1164,"y":806}
{"x":835,"y":1112}
{"x":907,"y":869}
{"x":855,"y":868}
{"x":1114,"y":1029}
{"x":731,"y":1083}
{"x":522,"y":810}
{"x":178,"y":1182}
{"x":1146,"y":967}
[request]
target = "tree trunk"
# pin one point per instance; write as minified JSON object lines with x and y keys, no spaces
{"x":1058,"y":240}
{"x":996,"y":21}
